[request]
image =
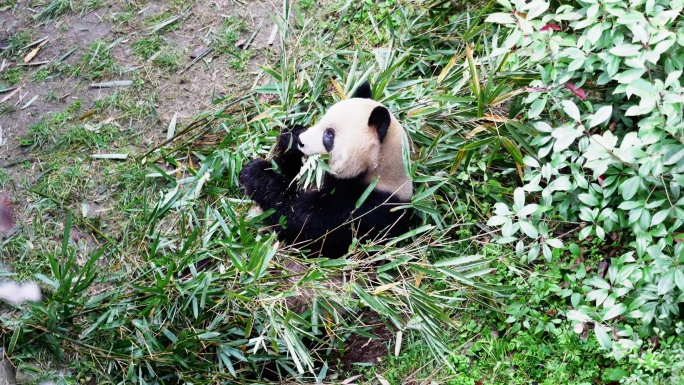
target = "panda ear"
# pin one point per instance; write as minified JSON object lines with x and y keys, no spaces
{"x":380,"y":119}
{"x":364,"y":91}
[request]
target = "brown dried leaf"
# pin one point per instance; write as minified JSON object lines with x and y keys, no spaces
{"x":585,"y":334}
{"x":34,"y":52}
{"x":351,"y":379}
{"x":603,"y":267}
{"x":197,"y":51}
{"x":8,"y":97}
{"x":577,"y":263}
{"x":6,"y":216}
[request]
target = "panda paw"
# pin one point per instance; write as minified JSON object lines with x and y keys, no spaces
{"x":253,"y":174}
{"x":288,"y":141}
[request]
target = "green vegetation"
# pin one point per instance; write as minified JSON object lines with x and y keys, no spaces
{"x":16,"y":44}
{"x":147,"y":46}
{"x":11,"y":76}
{"x":97,"y":62}
{"x":547,"y":160}
{"x":55,"y":8}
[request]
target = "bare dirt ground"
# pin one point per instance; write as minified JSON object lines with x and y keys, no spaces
{"x":169,"y":92}
{"x":51,"y":118}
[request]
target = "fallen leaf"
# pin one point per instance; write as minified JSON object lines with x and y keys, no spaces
{"x":577,"y":91}
{"x":28,"y":104}
{"x":382,"y":379}
{"x":87,"y":114}
{"x":10,"y":96}
{"x":350,"y":379}
{"x":550,"y":27}
{"x":601,"y":178}
{"x":115,"y":83}
{"x":603,"y":267}
{"x":577,"y":263}
{"x":34,"y":52}
{"x":197,"y":51}
{"x":6,"y":216}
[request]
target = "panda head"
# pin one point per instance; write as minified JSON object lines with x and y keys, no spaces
{"x":363,"y":139}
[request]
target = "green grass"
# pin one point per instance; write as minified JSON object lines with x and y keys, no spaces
{"x":38,"y":135}
{"x":228,"y":34}
{"x":11,"y":76}
{"x":239,"y":60}
{"x":41,"y":75}
{"x":16,"y":44}
{"x":97,"y":62}
{"x":7,"y":4}
{"x":4,"y":178}
{"x":169,"y":60}
{"x":129,"y":105}
{"x":164,"y":55}
{"x":6,"y":109}
{"x":166,"y":21}
{"x":56,"y":8}
{"x":147,"y":46}
{"x":480,"y":357}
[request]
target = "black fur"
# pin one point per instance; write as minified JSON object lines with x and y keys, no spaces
{"x":364,"y":91}
{"x":380,"y":119}
{"x":319,"y":220}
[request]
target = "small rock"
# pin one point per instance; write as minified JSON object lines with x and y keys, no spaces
{"x":6,"y":370}
{"x":197,"y":51}
{"x":27,"y":373}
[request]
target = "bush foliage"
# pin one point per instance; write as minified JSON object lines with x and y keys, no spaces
{"x":608,"y":156}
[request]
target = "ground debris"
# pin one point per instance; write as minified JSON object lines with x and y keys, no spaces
{"x":113,"y":84}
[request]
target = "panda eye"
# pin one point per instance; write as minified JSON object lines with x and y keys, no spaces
{"x":328,"y":139}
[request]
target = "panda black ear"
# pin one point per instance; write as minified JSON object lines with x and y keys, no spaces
{"x":364,"y":91}
{"x":380,"y":119}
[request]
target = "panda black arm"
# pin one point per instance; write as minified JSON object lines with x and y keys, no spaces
{"x":317,"y":220}
{"x":287,"y":154}
{"x":263,"y":185}
{"x":322,"y":220}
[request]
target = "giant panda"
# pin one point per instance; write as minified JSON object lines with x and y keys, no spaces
{"x":364,"y":142}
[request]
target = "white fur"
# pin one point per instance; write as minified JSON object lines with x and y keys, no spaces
{"x":17,"y":293}
{"x":357,"y":148}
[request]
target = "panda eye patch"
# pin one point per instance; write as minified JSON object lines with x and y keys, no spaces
{"x":328,"y":139}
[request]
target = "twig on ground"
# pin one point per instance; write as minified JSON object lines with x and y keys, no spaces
{"x":112,"y":84}
{"x":195,"y":60}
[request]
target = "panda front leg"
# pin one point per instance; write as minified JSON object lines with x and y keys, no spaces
{"x":263,"y":185}
{"x":317,"y":221}
{"x":287,"y":153}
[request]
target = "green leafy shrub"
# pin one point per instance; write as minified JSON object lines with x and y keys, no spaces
{"x":607,"y":154}
{"x":662,"y":366}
